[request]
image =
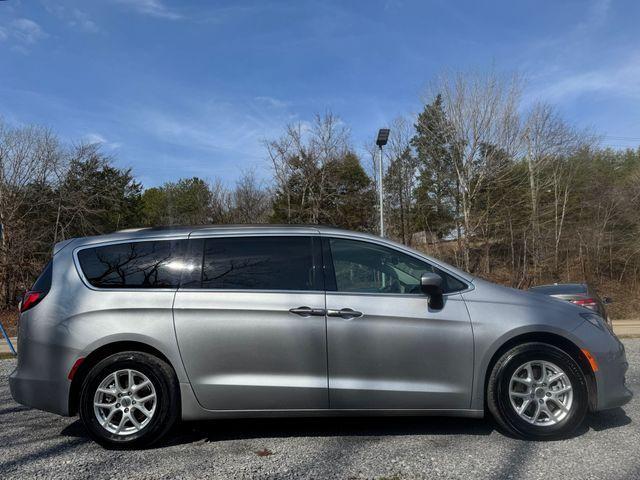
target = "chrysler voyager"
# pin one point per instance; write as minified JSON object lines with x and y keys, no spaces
{"x":137,"y":329}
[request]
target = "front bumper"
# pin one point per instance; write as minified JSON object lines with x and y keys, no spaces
{"x":612,"y":388}
{"x":610,"y":356}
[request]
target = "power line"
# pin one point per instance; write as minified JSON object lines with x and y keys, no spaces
{"x":620,"y":137}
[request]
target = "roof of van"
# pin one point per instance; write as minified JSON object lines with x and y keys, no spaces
{"x":198,"y":230}
{"x":226,"y":226}
{"x":203,"y":230}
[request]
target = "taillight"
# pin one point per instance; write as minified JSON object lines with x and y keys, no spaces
{"x":586,"y":302}
{"x":30,"y":300}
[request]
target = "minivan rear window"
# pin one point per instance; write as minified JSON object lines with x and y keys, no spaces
{"x":261,"y":263}
{"x":151,"y":264}
{"x":43,"y":283}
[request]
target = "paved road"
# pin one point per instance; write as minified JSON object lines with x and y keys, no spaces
{"x":37,"y":444}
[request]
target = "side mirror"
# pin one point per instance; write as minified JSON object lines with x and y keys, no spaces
{"x":607,"y":300}
{"x":431,"y":285}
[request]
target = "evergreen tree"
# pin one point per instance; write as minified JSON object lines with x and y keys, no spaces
{"x":347,"y":201}
{"x":185,"y":202}
{"x":399,"y":191}
{"x":353,"y":200}
{"x":96,"y":197}
{"x":436,"y":193}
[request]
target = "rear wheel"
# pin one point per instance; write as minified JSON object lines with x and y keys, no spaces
{"x":537,"y":391}
{"x":129,"y":400}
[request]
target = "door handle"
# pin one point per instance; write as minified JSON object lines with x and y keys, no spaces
{"x":308,"y":311}
{"x":346,"y":313}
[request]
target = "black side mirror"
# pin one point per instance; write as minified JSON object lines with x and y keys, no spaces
{"x":431,"y":285}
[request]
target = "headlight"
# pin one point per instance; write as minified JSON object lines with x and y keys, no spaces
{"x":596,"y":320}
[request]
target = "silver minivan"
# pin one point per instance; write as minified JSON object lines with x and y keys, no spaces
{"x":138,"y":329}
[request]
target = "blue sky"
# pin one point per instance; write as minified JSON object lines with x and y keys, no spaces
{"x":181,"y":88}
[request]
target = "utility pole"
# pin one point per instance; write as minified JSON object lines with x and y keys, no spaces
{"x":381,"y":141}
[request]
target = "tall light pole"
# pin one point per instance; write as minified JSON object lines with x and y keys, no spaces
{"x":381,"y":141}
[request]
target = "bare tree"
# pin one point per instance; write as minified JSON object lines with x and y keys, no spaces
{"x":29,"y":160}
{"x":251,"y":201}
{"x":221,"y":203}
{"x":282,"y":154}
{"x":303,"y":161}
{"x":547,"y":143}
{"x":482,"y":109}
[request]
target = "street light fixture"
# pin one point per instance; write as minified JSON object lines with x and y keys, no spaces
{"x":381,"y":141}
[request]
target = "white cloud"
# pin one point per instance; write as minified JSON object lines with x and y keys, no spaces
{"x":26,"y":31}
{"x":100,"y":139}
{"x":94,"y":138}
{"x":154,"y":8}
{"x":74,"y":18}
{"x":219,"y":129}
{"x":620,"y":79}
{"x":272,"y":102}
{"x":22,"y":33}
{"x":82,"y":20}
{"x":583,"y":60}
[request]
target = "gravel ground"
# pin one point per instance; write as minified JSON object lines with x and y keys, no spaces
{"x":38,"y":444}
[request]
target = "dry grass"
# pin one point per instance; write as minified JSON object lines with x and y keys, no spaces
{"x":626,"y":299}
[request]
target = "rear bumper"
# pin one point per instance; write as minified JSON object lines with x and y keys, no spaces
{"x":44,"y":395}
{"x":40,"y":379}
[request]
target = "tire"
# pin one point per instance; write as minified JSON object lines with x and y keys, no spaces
{"x":152,"y":401}
{"x":506,"y":394}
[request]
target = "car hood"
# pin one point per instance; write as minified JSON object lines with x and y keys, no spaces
{"x":486,"y":291}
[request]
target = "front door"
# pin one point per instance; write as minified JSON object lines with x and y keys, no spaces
{"x":387,"y":349}
{"x":250,"y":323}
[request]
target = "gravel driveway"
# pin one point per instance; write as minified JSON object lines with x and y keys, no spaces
{"x":38,"y":444}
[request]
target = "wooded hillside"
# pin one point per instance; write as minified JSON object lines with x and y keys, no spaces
{"x":503,"y":189}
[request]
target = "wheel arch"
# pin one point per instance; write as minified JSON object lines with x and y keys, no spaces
{"x":100,"y":354}
{"x":555,"y":340}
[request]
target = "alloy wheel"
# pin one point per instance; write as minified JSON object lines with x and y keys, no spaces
{"x":125,"y":402}
{"x":540,"y":393}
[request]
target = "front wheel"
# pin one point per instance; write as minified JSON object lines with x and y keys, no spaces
{"x":537,"y":391}
{"x":129,"y":400}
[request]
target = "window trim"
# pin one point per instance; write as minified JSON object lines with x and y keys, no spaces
{"x":316,"y":256}
{"x":329,"y":269}
{"x":87,"y":283}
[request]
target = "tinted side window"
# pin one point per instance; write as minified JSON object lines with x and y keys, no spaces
{"x":43,"y":283}
{"x":367,"y":267}
{"x":155,"y":264}
{"x":260,"y":263}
